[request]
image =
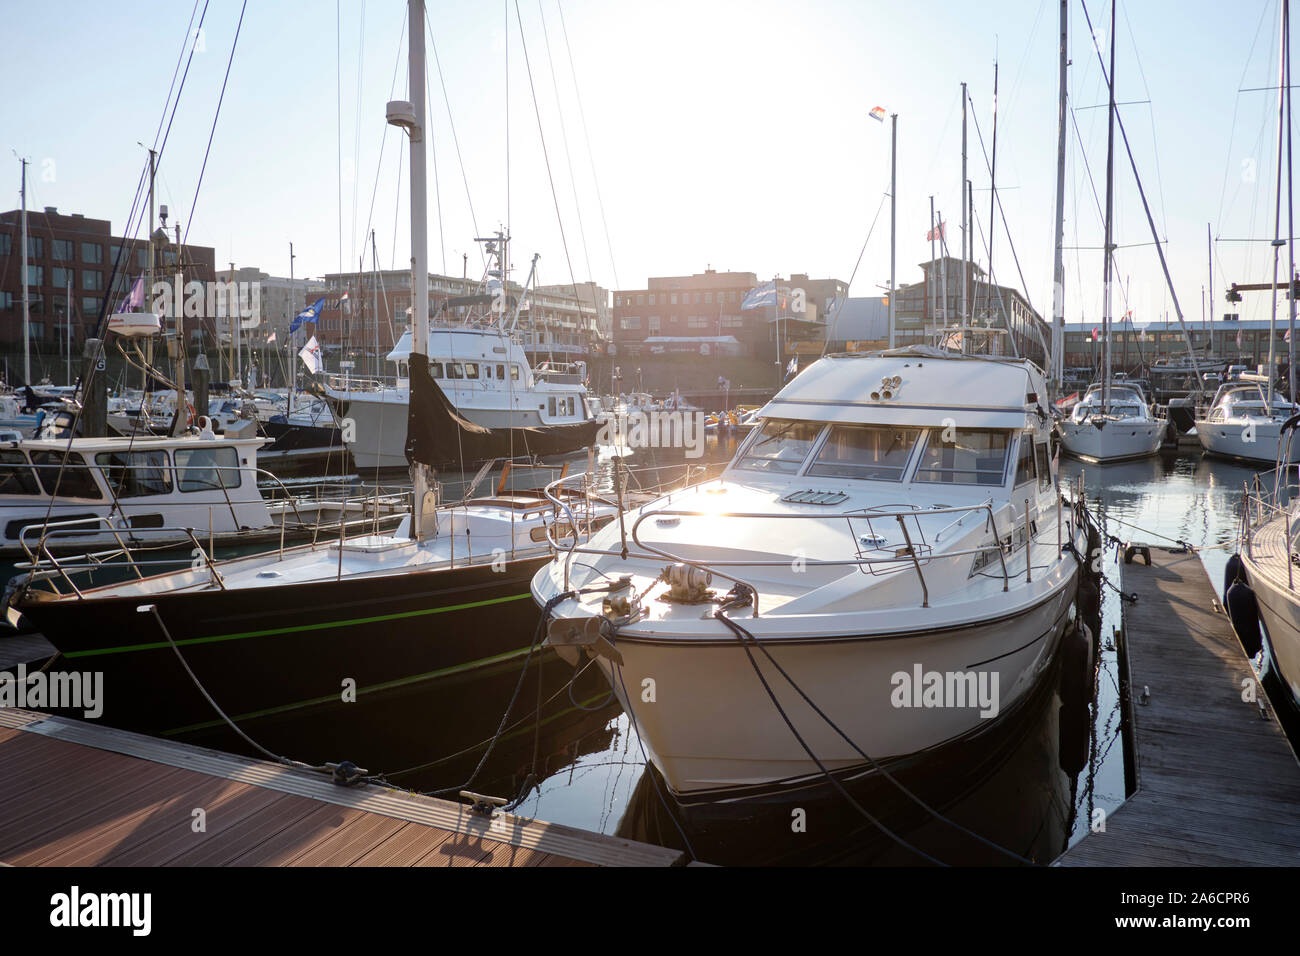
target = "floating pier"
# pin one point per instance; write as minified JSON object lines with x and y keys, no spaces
{"x":1217,"y":781}
{"x":79,"y":794}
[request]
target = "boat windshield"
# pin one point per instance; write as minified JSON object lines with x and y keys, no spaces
{"x":868,"y":452}
{"x":781,"y":446}
{"x":964,"y":456}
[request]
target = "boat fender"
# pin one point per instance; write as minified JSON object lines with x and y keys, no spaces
{"x":1235,"y":571}
{"x":1243,"y":611}
{"x":1076,"y":666}
{"x":1072,"y":737}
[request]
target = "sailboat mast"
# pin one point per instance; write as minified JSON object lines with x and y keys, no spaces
{"x":965,"y":224}
{"x":1108,"y":245}
{"x":1278,"y":241}
{"x":1058,"y":270}
{"x":419,"y":231}
{"x":893,"y":219}
{"x":1290,"y":206}
{"x":23,"y":278}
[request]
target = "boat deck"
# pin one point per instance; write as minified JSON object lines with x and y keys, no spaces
{"x":80,"y":794}
{"x":1218,"y":783}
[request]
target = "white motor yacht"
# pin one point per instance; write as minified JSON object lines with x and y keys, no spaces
{"x":891,"y":532}
{"x":1242,"y":424}
{"x":1112,"y":427}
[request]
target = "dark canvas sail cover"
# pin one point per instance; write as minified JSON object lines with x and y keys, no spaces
{"x":437,"y":434}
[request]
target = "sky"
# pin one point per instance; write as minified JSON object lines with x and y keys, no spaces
{"x":621,"y":140}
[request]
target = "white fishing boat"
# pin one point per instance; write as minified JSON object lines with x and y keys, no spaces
{"x":1241,"y":423}
{"x":893,"y":525}
{"x":1112,"y":423}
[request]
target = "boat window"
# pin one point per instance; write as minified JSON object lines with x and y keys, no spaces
{"x":435,"y":369}
{"x":550,"y":406}
{"x":454,"y":370}
{"x":781,"y":446}
{"x":1044,"y":465}
{"x":16,"y":475}
{"x":1024,"y":461}
{"x":514,"y":373}
{"x":868,"y":452}
{"x":969,"y":456}
{"x":471,"y":370}
{"x":134,"y":474}
{"x":71,"y":481}
{"x":501,"y":373}
{"x":204,"y":469}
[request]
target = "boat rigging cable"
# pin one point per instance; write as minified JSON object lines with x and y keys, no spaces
{"x":828,"y":338}
{"x":741,"y":596}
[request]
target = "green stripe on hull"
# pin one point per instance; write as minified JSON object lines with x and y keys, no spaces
{"x":297,"y":629}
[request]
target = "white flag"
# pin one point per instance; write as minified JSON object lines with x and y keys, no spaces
{"x":270,"y":338}
{"x":310,"y":355}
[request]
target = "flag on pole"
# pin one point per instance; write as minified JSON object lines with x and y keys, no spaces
{"x":310,"y":355}
{"x":344,"y":304}
{"x":935,"y":233}
{"x":135,"y":298}
{"x":793,"y":367}
{"x":310,"y":314}
{"x":270,"y":338}
{"x":878,"y":114}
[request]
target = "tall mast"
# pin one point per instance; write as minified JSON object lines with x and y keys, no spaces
{"x":419,"y":230}
{"x":1278,"y":241}
{"x":993,"y":193}
{"x":929,"y":278}
{"x":965,"y":225}
{"x":1290,"y":206}
{"x":27,"y":315}
{"x":288,"y":338}
{"x":1108,"y":246}
{"x":1209,"y":265}
{"x":1058,"y":272}
{"x":893,"y":219}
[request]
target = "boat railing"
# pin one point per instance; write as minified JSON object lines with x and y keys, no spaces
{"x":295,"y":514}
{"x":916,"y":552}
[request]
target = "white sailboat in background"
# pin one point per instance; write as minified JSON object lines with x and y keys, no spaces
{"x":1114,"y":421}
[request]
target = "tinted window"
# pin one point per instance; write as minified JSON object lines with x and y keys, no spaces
{"x":1025,"y":461}
{"x":201,"y":469}
{"x":781,"y":446}
{"x":134,"y":474}
{"x":72,"y":480}
{"x":1044,"y":466}
{"x":970,"y":456}
{"x":16,"y":476}
{"x":872,"y":452}
{"x":454,"y":370}
{"x":435,"y":369}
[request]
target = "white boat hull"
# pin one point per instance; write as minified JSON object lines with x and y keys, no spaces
{"x":1234,"y":440}
{"x":716,"y":733}
{"x":1114,"y":440}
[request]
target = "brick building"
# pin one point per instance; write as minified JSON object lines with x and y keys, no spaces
{"x":72,"y":257}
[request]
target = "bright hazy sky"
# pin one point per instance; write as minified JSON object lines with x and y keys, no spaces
{"x":727,"y":134}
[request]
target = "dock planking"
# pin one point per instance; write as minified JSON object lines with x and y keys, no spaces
{"x":1218,"y":782}
{"x":79,"y":794}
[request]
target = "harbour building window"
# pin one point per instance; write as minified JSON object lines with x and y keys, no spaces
{"x":971,"y":456}
{"x":867,"y":452}
{"x":781,"y":446}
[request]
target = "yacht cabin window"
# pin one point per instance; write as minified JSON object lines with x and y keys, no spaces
{"x":1025,"y":460}
{"x":514,"y":373}
{"x":205,"y":469}
{"x":501,"y":373}
{"x":781,"y":446}
{"x":964,"y":456}
{"x":454,"y":370}
{"x":16,"y":476}
{"x":866,"y":452}
{"x":435,"y":369}
{"x":135,"y":474}
{"x":471,"y":370}
{"x":72,"y":480}
{"x":1044,"y":465}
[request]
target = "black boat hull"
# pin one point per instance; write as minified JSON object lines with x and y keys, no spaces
{"x":270,"y":650}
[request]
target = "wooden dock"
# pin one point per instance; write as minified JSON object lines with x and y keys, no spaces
{"x":1218,"y":782}
{"x":79,"y":794}
{"x":24,"y":649}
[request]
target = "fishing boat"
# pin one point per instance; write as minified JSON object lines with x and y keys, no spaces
{"x":1243,"y":424}
{"x":1113,"y":422}
{"x":893,"y":523}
